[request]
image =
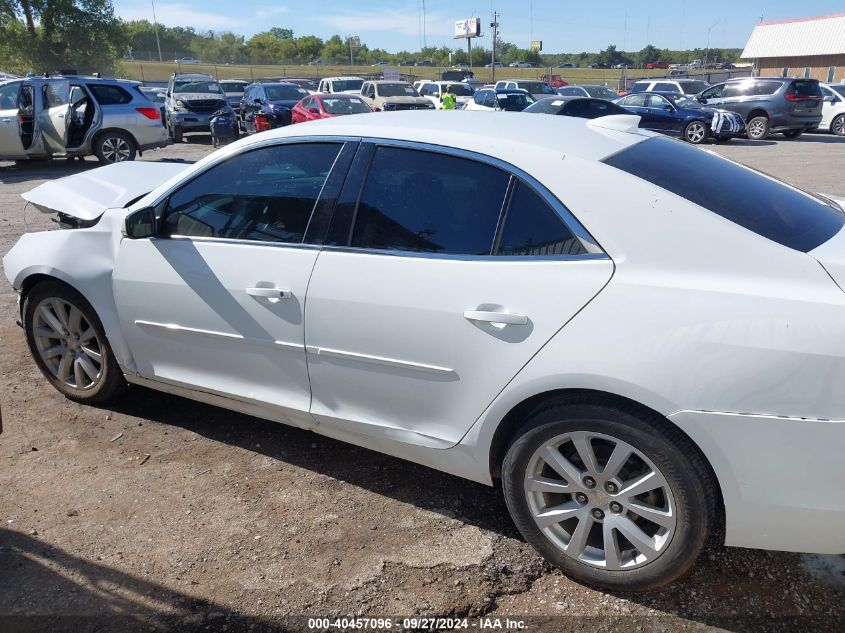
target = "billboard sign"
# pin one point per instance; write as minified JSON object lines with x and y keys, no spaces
{"x":467,"y":29}
{"x":536,"y":45}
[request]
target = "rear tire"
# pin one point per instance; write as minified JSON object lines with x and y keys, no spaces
{"x":114,"y":147}
{"x":623,"y":535}
{"x":69,"y":344}
{"x":837,"y":126}
{"x":757,"y":128}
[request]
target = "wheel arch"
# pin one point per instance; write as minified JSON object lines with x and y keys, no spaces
{"x":514,"y":420}
{"x":758,"y":112}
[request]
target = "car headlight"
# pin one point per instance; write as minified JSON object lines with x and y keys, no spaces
{"x":181,"y":105}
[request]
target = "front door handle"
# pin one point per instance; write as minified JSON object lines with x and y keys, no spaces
{"x":503,"y":318}
{"x":269,"y":293}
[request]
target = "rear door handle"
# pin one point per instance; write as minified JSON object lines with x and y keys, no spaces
{"x":269,"y":293}
{"x":504,"y":318}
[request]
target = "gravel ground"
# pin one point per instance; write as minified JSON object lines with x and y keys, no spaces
{"x":159,"y":514}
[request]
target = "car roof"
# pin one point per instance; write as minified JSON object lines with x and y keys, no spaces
{"x":388,"y":81}
{"x":337,"y":95}
{"x":496,"y":136}
{"x":274,"y":83}
{"x":511,"y":91}
{"x":193,"y":75}
{"x":234,"y":81}
{"x":342,"y":77}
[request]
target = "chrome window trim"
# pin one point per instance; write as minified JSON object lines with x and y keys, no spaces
{"x":466,"y":258}
{"x":226,"y":240}
{"x":590,"y":244}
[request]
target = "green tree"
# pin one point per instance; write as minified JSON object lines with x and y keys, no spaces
{"x":648,"y":54}
{"x":308,"y":47}
{"x":335,"y":50}
{"x":280,"y":33}
{"x":46,"y":35}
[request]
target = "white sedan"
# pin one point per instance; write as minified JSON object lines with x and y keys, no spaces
{"x":637,"y":352}
{"x":833,"y":111}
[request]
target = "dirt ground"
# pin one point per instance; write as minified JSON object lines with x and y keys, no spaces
{"x":233,"y":523}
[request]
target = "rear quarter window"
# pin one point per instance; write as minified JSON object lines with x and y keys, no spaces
{"x":754,"y":201}
{"x":805,"y":88}
{"x":109,"y":95}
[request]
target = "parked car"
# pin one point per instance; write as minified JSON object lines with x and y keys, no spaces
{"x":392,"y":96}
{"x":407,"y":62}
{"x":426,"y":62}
{"x":187,"y":60}
{"x":381,"y":63}
{"x":433,"y":91}
{"x":684,"y":86}
{"x":268,"y":105}
{"x":191,"y":100}
{"x":622,"y":66}
{"x":598,"y":65}
{"x":840,"y":88}
{"x":650,"y":406}
{"x":567,"y":65}
{"x":581,"y":107}
{"x":679,"y":115}
{"x":833,"y":111}
{"x":310,"y":85}
{"x":678,"y":72}
{"x":770,"y":104}
{"x":494,"y":65}
{"x":568,"y":93}
{"x":657,"y":65}
{"x":491,"y":100}
{"x":461,"y":65}
{"x":520,"y":65}
{"x":538,"y":89}
{"x":349,"y":84}
{"x":325,"y":106}
{"x":158,"y":96}
{"x":457,"y":74}
{"x":233,"y":89}
{"x":316,"y":62}
{"x":77,"y":116}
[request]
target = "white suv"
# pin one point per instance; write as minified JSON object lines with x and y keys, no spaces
{"x":434,"y":91}
{"x":351,"y":85}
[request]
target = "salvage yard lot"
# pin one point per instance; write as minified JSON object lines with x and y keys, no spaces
{"x":159,"y":510}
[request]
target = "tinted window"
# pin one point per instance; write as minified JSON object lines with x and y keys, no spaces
{"x":662,"y":86}
{"x":693,"y":87}
{"x":347,"y":84}
{"x":714,"y":93}
{"x":546,"y":106}
{"x":285,"y":93}
{"x":202,"y":87}
{"x":429,"y":202}
{"x":533,"y":228}
{"x":805,"y":88}
{"x":766,"y":87}
{"x":230,"y":86}
{"x":109,"y":95}
{"x":266,"y":194}
{"x":534,"y":87}
{"x":514,"y":101}
{"x":640,"y":86}
{"x":840,"y":89}
{"x":397,"y":90}
{"x":9,"y":96}
{"x":591,"y":108}
{"x":461,"y":90}
{"x":634,"y":101}
{"x":601,"y":92}
{"x":571,"y":91}
{"x":753,"y":200}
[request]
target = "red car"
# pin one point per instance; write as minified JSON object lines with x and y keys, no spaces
{"x":653,"y":65}
{"x":328,"y":105}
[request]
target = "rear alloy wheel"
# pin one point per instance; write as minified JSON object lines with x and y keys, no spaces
{"x":68,"y":343}
{"x":758,"y":128}
{"x":837,"y":126}
{"x":608,"y":497}
{"x":114,"y":147}
{"x":695,"y":132}
{"x":793,"y":133}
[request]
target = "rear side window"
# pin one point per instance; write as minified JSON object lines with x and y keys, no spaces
{"x":766,"y":87}
{"x":749,"y":198}
{"x":662,"y":86}
{"x":109,"y":95}
{"x":429,"y":202}
{"x":533,"y":228}
{"x":640,"y":86}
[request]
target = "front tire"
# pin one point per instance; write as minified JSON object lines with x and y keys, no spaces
{"x":69,"y":345}
{"x":114,"y":147}
{"x":837,"y":126}
{"x":757,"y":128}
{"x":695,"y":132}
{"x":614,"y":498}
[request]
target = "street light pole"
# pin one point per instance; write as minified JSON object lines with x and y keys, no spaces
{"x":155,"y":28}
{"x":707,"y":50}
{"x":495,"y":26}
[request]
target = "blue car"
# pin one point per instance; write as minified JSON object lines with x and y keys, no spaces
{"x":268,"y":105}
{"x":677,"y":114}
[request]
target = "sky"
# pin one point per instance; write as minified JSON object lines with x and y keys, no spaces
{"x":562,"y":25}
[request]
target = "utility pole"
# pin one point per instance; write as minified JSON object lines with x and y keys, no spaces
{"x":155,"y":28}
{"x":495,"y":26}
{"x":425,"y":40}
{"x":707,"y":50}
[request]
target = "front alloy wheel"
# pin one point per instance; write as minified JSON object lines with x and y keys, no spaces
{"x":837,"y":126}
{"x":695,"y":132}
{"x":615,"y":496}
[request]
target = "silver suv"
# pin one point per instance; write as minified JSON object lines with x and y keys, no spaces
{"x":191,"y":100}
{"x":73,"y":116}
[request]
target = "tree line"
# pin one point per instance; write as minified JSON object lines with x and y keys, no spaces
{"x":49,"y":35}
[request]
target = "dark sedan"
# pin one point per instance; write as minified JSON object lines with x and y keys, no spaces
{"x":268,"y":105}
{"x":582,"y":108}
{"x":676,"y":114}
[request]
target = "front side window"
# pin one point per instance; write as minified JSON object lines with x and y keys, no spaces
{"x":429,"y":202}
{"x":658,"y":102}
{"x":752,"y":200}
{"x":715,"y":92}
{"x":635,"y":101}
{"x":533,"y":228}
{"x":266,"y":194}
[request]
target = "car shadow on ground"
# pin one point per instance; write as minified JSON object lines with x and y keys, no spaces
{"x":737,"y":589}
{"x":44,"y":588}
{"x":43,"y":169}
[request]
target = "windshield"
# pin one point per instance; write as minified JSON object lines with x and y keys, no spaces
{"x":535,"y":87}
{"x":397,"y":90}
{"x":334,"y":105}
{"x":232,"y":86}
{"x":285,"y":93}
{"x":347,"y":84}
{"x":693,"y":87}
{"x":840,"y":89}
{"x":601,"y":92}
{"x":751,"y":199}
{"x":303,"y":83}
{"x":207,"y":87}
{"x":514,"y":102}
{"x":461,"y":90}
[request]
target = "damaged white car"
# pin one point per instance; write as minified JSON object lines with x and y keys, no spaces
{"x":638,"y":353}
